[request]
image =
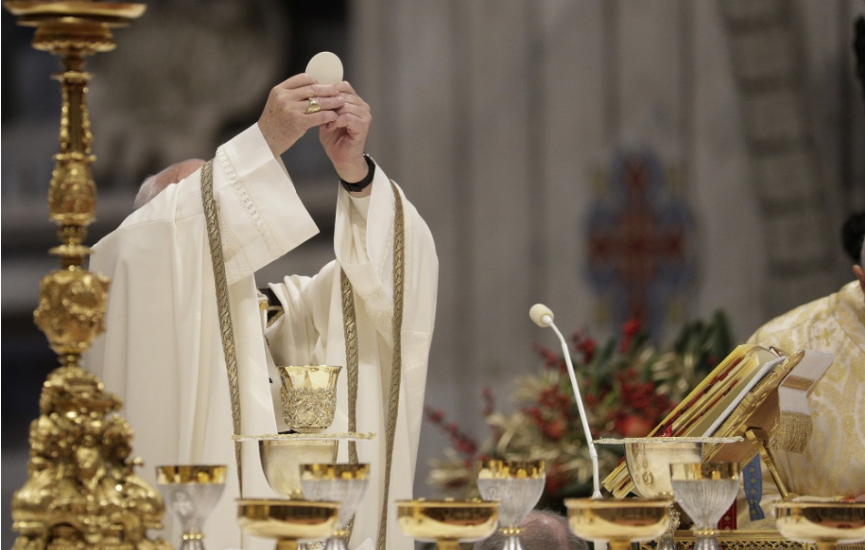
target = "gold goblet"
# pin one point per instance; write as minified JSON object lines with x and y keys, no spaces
{"x":517,"y":485}
{"x":309,"y":396}
{"x":342,"y":483}
{"x":824,"y":523}
{"x":618,"y":522}
{"x":705,"y":491}
{"x":447,"y":522}
{"x":288,"y":521}
{"x":281,"y":459}
{"x":191,"y":492}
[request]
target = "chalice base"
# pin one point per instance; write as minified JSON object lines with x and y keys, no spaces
{"x":192,"y":541}
{"x":336,"y":543}
{"x":667,"y":540}
{"x":706,"y":541}
{"x":512,"y":542}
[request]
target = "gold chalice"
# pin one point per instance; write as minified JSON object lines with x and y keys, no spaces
{"x":705,"y":491}
{"x":447,"y":522}
{"x":825,"y":523}
{"x":342,"y":483}
{"x":309,"y":396}
{"x":191,"y":492}
{"x":517,"y":485}
{"x":281,"y":459}
{"x":288,"y":521}
{"x":618,"y":521}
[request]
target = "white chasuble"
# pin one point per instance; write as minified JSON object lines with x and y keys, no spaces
{"x":311,"y":332}
{"x":162,"y":351}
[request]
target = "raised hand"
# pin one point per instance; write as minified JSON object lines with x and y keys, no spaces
{"x":344,"y":138}
{"x":285,"y":117}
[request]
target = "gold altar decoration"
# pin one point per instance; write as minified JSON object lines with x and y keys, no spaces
{"x":81,"y":490}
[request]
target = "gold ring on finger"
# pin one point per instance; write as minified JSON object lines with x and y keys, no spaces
{"x":313,"y":106}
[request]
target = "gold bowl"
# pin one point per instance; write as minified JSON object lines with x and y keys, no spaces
{"x":618,"y":521}
{"x":447,"y":522}
{"x":288,"y":521}
{"x":281,"y":459}
{"x":823,"y":523}
{"x":308,"y":396}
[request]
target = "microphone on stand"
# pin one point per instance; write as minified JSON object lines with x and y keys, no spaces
{"x":543,"y":317}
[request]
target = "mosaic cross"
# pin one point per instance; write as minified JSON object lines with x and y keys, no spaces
{"x":638,"y":232}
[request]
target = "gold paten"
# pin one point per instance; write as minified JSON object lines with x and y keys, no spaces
{"x":81,"y":491}
{"x":619,"y":521}
{"x":447,"y":522}
{"x":288,"y":521}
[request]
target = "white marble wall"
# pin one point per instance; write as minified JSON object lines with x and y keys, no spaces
{"x":496,"y":114}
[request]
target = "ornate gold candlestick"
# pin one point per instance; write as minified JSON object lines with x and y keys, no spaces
{"x":81,"y":491}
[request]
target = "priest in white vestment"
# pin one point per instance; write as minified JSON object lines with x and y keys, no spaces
{"x":832,"y":464}
{"x":162,"y":351}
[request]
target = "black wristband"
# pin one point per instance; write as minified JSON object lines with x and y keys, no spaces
{"x":362,"y":184}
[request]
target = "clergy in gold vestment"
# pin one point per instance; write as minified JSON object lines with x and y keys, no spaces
{"x":833,"y":463}
{"x":162,"y":351}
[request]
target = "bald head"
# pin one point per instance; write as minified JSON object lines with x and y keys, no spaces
{"x":542,"y":530}
{"x":153,"y":185}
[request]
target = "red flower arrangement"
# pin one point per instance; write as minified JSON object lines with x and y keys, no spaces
{"x":628,"y":387}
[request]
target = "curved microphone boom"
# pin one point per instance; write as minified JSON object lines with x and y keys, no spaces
{"x":543,"y":317}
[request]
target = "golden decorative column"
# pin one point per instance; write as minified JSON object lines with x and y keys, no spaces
{"x":81,"y":490}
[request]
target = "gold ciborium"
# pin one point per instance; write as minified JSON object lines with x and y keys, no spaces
{"x":281,"y":458}
{"x":288,"y":521}
{"x":342,"y":483}
{"x":191,"y":492}
{"x":824,"y":523}
{"x":447,"y":522}
{"x":705,"y":491}
{"x":309,"y":396}
{"x":618,"y":522}
{"x":517,"y":485}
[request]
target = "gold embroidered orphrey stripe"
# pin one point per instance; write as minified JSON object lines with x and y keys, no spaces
{"x":225,"y":326}
{"x":349,"y":328}
{"x":351,"y":352}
